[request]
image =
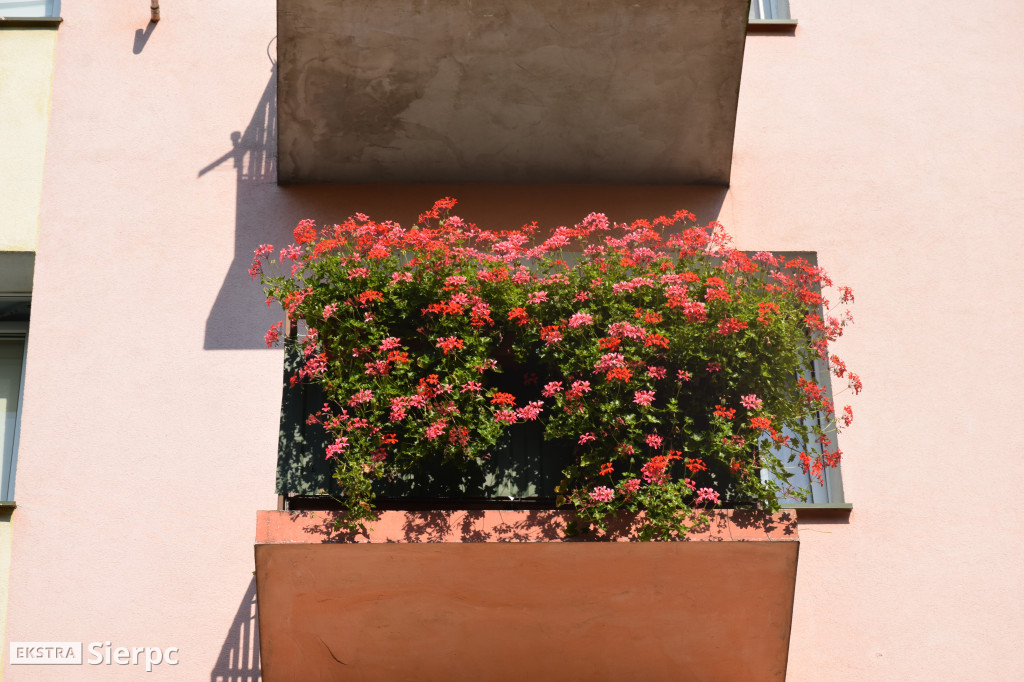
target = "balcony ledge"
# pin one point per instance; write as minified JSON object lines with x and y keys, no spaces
{"x":499,"y":595}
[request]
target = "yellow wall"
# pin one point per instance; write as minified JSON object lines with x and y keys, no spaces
{"x":26,"y":71}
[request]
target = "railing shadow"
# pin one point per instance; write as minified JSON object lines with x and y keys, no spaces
{"x":239,"y":659}
{"x":253,"y":155}
{"x":486,"y":524}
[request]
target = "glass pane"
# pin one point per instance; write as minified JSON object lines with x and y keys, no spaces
{"x":12,"y":352}
{"x":817,"y":492}
{"x":768,"y":10}
{"x":27,"y":8}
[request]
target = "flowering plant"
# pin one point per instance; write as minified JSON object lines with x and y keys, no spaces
{"x":678,"y":367}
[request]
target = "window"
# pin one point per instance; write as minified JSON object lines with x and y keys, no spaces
{"x":829,"y":491}
{"x":29,"y":8}
{"x":769,"y":10}
{"x":524,"y":467}
{"x":14,"y":312}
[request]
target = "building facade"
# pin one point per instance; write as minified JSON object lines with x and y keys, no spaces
{"x":28,"y":33}
{"x":883,"y":137}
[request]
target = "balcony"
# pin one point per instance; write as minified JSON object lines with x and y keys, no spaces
{"x":502,"y":595}
{"x":609,"y":91}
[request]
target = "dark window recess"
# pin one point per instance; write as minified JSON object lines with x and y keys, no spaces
{"x":522,"y":471}
{"x":523,"y":468}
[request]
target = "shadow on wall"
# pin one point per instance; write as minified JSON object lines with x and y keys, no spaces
{"x":266,"y":212}
{"x":142,"y":37}
{"x":239,"y":659}
{"x":253,"y":155}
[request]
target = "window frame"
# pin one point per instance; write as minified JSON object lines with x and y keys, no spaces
{"x":51,"y":10}
{"x":17,"y":331}
{"x":779,"y":20}
{"x":821,"y":373}
{"x":50,"y":19}
{"x":832,"y":488}
{"x":778,"y":10}
{"x":295,"y":447}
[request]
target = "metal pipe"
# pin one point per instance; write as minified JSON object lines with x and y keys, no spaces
{"x":154,"y":11}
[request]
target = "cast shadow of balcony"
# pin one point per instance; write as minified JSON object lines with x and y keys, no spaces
{"x":266,"y":213}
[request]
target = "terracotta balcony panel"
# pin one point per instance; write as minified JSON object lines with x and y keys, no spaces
{"x":510,"y":607}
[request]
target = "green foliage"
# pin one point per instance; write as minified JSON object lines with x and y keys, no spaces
{"x":679,"y":367}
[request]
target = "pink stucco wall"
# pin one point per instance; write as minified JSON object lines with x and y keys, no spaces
{"x":885,"y":136}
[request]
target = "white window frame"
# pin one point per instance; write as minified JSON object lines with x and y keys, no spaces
{"x":769,"y":10}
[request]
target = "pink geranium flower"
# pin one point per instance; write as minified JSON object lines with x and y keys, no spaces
{"x":551,"y":388}
{"x":337,"y":447}
{"x":707,"y":495}
{"x":580,"y":319}
{"x":643,"y":397}
{"x":751,"y":402}
{"x":538,"y":297}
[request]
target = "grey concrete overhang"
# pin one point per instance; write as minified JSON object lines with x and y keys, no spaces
{"x":614,"y":91}
{"x":16,"y":270}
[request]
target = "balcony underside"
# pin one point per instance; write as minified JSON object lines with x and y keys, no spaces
{"x":611,"y":91}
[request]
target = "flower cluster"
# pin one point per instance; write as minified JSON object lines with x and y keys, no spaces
{"x":677,"y":367}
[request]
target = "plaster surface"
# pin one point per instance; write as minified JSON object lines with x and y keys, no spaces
{"x":488,"y":91}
